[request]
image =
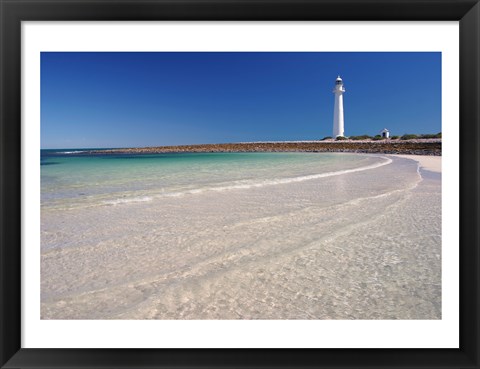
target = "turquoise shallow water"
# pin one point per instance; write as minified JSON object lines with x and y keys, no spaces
{"x":74,"y":178}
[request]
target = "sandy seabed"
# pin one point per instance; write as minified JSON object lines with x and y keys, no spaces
{"x":362,"y":245}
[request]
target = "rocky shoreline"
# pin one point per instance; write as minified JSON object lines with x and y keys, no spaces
{"x":410,"y":147}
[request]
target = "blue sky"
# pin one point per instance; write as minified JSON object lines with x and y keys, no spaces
{"x":152,"y":99}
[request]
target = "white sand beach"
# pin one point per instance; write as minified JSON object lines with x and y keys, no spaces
{"x":431,"y":163}
{"x":360,"y":243}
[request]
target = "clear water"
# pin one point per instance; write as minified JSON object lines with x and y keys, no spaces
{"x":239,"y":236}
{"x":71,"y":178}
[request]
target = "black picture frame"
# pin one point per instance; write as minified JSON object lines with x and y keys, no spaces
{"x":13,"y":12}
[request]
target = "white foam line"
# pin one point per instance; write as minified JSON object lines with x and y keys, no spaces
{"x":127,"y":200}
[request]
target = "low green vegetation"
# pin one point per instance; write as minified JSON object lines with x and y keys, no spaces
{"x":438,"y":135}
{"x":406,"y":136}
{"x":409,"y":137}
{"x":362,"y":137}
{"x":413,"y":137}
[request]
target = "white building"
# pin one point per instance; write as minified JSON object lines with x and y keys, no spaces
{"x":385,"y":133}
{"x":338,"y":127}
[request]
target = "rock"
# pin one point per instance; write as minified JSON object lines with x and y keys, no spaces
{"x":412,"y":147}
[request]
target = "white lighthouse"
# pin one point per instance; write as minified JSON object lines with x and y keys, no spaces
{"x":338,"y":129}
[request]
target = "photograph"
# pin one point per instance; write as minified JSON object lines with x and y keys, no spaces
{"x":240,"y":185}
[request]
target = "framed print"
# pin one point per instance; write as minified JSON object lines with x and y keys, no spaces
{"x":239,"y":184}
